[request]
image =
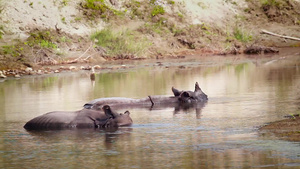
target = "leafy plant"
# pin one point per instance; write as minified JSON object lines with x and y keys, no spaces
{"x":95,"y":4}
{"x":94,"y":8}
{"x":241,"y":35}
{"x":46,"y":44}
{"x":293,"y":116}
{"x":10,"y":50}
{"x":157,"y":10}
{"x":41,"y":38}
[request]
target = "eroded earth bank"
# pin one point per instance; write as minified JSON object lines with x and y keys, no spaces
{"x":34,"y":33}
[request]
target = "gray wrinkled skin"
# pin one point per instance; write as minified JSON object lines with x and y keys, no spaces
{"x":85,"y":118}
{"x":180,"y":97}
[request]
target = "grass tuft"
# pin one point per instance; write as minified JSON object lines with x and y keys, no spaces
{"x":242,"y":35}
{"x":120,"y":43}
{"x":157,"y":10}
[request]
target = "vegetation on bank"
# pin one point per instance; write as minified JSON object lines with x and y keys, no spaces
{"x":42,"y":46}
{"x":163,"y":21}
{"x":122,"y":45}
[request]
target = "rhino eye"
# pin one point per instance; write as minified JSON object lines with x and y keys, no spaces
{"x":186,"y":94}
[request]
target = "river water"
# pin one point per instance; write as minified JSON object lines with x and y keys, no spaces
{"x":244,"y":93}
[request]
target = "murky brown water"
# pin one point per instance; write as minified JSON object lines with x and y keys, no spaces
{"x":244,"y":93}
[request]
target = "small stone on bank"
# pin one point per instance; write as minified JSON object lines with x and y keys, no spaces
{"x":28,"y":69}
{"x":72,"y":67}
{"x":2,"y":75}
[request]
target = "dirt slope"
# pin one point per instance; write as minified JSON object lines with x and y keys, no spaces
{"x":20,"y":16}
{"x":50,"y":32}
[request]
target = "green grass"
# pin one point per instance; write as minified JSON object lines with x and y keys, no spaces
{"x":157,"y":10}
{"x":47,"y":44}
{"x":77,"y":19}
{"x":64,"y":39}
{"x":270,"y":3}
{"x":41,"y":38}
{"x":64,"y":2}
{"x":95,"y":5}
{"x":242,"y":35}
{"x":146,"y":8}
{"x":120,"y":43}
{"x":171,"y":2}
{"x":10,"y":50}
{"x":135,"y":8}
{"x":63,"y":19}
{"x":37,"y":48}
{"x":98,"y":8}
{"x":160,"y":28}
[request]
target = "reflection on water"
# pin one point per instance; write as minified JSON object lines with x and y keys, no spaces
{"x":220,"y":134}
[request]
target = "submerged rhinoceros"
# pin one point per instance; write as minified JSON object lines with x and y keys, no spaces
{"x":85,"y":118}
{"x":180,"y":97}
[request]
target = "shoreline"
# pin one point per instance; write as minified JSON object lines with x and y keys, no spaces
{"x":286,"y":129}
{"x":181,"y":61}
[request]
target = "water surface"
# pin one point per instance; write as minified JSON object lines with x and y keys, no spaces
{"x":244,"y":93}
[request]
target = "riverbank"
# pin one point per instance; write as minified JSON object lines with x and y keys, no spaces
{"x":287,"y":129}
{"x":35,"y":33}
{"x":182,"y":61}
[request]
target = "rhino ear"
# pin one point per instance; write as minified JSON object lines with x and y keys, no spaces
{"x":197,"y":88}
{"x":175,"y":91}
{"x":108,"y":112}
{"x":127,"y":112}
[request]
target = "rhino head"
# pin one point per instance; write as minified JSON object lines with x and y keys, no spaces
{"x":191,"y":96}
{"x":115,"y":119}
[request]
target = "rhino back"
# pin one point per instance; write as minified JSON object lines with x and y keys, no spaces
{"x":109,"y":101}
{"x":51,"y":120}
{"x":87,"y":118}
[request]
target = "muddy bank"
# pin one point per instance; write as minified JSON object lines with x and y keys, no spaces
{"x":183,"y":60}
{"x":46,"y":33}
{"x":287,"y":129}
